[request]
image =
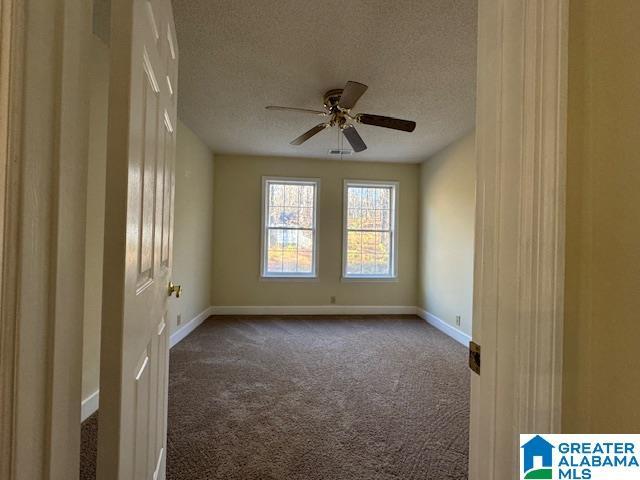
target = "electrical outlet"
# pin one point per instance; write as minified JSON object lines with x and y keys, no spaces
{"x":332,"y":300}
{"x":458,"y":320}
{"x":179,"y":318}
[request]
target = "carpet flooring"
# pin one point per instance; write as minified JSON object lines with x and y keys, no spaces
{"x":314,"y":398}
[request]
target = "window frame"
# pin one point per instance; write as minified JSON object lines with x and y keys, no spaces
{"x":264,"y":275}
{"x":395,"y":200}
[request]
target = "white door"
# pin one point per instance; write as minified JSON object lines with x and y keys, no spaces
{"x":519,"y":235}
{"x":138,"y":236}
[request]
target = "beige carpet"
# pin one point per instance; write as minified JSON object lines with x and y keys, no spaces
{"x":315,"y":398}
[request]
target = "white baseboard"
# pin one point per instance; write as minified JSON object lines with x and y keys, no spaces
{"x":89,"y":405}
{"x":315,"y":310}
{"x":444,"y":327}
{"x":190,"y":326}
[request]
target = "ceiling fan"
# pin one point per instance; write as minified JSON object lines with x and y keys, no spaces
{"x":337,"y":107}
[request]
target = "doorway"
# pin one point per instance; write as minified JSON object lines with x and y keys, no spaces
{"x":503,"y":86}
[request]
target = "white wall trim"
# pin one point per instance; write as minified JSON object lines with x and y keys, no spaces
{"x":90,"y":405}
{"x":190,"y":326}
{"x":519,"y":234}
{"x":315,"y":310}
{"x":458,"y":335}
{"x":44,"y":113}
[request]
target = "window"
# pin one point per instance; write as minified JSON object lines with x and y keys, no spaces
{"x":369,"y":242}
{"x":289,"y":227}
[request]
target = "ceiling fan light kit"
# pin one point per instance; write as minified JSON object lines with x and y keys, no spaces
{"x":338,"y":103}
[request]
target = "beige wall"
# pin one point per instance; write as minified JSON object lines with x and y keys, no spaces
{"x":94,"y":235}
{"x":193,"y":228}
{"x":238,"y":196}
{"x":447,"y":212}
{"x":602,"y":322}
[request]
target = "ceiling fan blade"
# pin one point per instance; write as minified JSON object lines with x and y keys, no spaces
{"x":386,"y":122}
{"x":354,"y":138}
{"x":351,"y":94}
{"x":307,"y":135}
{"x":293,"y":109}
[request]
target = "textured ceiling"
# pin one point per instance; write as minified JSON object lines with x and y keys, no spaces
{"x":237,"y":56}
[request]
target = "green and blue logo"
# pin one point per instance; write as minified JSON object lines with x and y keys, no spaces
{"x":580,"y":457}
{"x":537,"y":459}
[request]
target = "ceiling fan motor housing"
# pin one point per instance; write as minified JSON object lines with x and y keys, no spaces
{"x":331,"y":99}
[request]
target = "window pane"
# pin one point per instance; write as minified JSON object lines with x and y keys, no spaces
{"x":369,"y":199}
{"x":368,"y":264}
{"x":292,"y":195}
{"x":275,"y":217}
{"x":305,"y":217}
{"x":377,"y":214}
{"x":369,"y":243}
{"x":274,"y":261}
{"x":290,"y":250}
{"x":354,"y":242}
{"x":305,"y":261}
{"x":382,"y":265}
{"x":383,"y":198}
{"x":305,"y":240}
{"x":307,"y":196}
{"x":354,"y":220}
{"x":354,"y":263}
{"x":290,"y":217}
{"x":274,"y":251}
{"x":275,"y":239}
{"x":276,"y":195}
{"x":354,"y":197}
{"x":385,"y":220}
{"x":384,"y":243}
{"x":305,"y":251}
{"x":354,"y":252}
{"x":368,"y":219}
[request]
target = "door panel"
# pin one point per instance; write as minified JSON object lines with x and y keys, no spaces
{"x":138,"y":236}
{"x":146,"y":173}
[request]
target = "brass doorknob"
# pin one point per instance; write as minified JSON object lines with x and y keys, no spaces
{"x":177,"y":289}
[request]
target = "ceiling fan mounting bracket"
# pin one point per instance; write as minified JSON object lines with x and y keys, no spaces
{"x":331,"y":99}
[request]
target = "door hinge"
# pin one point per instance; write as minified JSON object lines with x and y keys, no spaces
{"x":474,"y":357}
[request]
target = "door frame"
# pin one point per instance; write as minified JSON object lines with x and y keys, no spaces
{"x":43,"y":157}
{"x":520,"y":228}
{"x":519,"y":245}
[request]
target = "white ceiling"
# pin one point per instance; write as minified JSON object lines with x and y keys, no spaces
{"x":237,"y":56}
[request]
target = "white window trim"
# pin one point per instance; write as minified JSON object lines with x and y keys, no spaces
{"x":263,"y":243}
{"x":393,"y":277}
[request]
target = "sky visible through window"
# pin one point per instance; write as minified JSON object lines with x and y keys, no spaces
{"x":290,"y":228}
{"x":369,"y":231}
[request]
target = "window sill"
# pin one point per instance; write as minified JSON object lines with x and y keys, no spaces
{"x":283,"y":278}
{"x":370,"y":279}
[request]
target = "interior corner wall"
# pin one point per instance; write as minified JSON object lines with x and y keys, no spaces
{"x":237,"y":236}
{"x":446,"y":232}
{"x":193,"y":228}
{"x":601,"y":371}
{"x":94,"y":234}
